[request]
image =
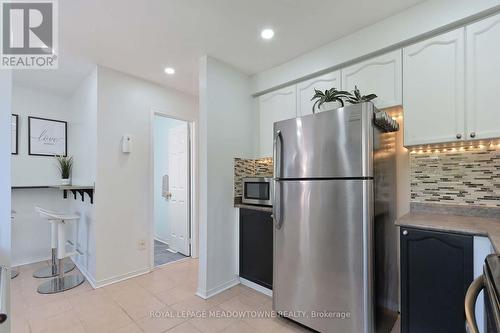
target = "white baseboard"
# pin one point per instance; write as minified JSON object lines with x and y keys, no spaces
{"x":85,"y":273}
{"x":217,"y":290}
{"x":31,"y":261}
{"x":161,"y":239}
{"x":256,"y":287}
{"x":119,"y":278}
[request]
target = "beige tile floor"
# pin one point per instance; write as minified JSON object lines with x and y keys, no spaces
{"x":125,"y":307}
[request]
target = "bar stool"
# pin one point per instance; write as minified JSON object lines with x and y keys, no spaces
{"x":13,"y":273}
{"x":52,"y":270}
{"x":61,"y":282}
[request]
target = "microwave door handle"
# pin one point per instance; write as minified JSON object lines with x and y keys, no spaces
{"x":277,"y":186}
{"x":470,"y":303}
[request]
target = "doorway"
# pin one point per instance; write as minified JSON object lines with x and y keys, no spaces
{"x":171,"y":216}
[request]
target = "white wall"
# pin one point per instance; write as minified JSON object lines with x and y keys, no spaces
{"x":36,"y":170}
{"x":5,"y":181}
{"x":83,"y":137}
{"x":228,"y":124}
{"x":123,"y":189}
{"x":426,"y":18}
{"x":161,"y":151}
{"x":30,"y":233}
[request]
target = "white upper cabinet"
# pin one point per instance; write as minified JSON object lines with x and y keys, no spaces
{"x":275,"y":106}
{"x":483,"y":79}
{"x":305,"y":91}
{"x":433,"y":86}
{"x":381,"y":76}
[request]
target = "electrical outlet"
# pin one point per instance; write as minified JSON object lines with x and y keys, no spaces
{"x":142,"y":245}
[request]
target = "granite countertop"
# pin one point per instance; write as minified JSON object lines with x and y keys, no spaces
{"x":479,"y":226}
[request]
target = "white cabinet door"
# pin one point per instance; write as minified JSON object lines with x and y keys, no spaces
{"x":381,"y":75}
{"x":483,"y":79}
{"x":305,"y":91}
{"x":274,"y":106}
{"x":433,"y":86}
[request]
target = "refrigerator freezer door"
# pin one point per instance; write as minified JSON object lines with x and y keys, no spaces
{"x":333,"y":144}
{"x":322,"y":256}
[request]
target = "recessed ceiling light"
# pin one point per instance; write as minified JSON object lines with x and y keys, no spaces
{"x":267,"y":33}
{"x":169,"y":71}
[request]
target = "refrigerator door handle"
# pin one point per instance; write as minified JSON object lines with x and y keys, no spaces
{"x":277,"y":170}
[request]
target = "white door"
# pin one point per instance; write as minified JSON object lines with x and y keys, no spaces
{"x":178,"y":167}
{"x":381,"y":75}
{"x":274,"y":106}
{"x":433,"y":85}
{"x":305,"y":91}
{"x":483,"y":78}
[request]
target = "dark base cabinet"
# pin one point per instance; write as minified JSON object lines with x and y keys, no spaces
{"x":436,"y":270}
{"x":256,"y":247}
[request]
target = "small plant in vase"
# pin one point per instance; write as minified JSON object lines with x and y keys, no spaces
{"x":330,"y":95}
{"x":65,"y":165}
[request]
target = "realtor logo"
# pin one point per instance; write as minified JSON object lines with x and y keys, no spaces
{"x":29,"y":38}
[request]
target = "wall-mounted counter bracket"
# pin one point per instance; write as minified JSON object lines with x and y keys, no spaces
{"x":78,"y":190}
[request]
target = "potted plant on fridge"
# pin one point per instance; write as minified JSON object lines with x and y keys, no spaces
{"x":328,"y":96}
{"x":65,"y":165}
{"x":356,"y":97}
{"x":339,"y":96}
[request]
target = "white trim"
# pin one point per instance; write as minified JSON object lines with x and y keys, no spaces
{"x":217,"y":290}
{"x":119,"y":278}
{"x":192,"y":180}
{"x":85,"y":273}
{"x":31,"y":261}
{"x":256,"y":287}
{"x":159,"y":239}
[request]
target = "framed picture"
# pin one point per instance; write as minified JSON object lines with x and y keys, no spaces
{"x":14,"y":130}
{"x":47,"y":137}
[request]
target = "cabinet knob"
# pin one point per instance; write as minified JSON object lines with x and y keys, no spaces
{"x":405,"y":232}
{"x":459,"y":136}
{"x":473,"y":135}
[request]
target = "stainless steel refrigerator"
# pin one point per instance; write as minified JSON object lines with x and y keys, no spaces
{"x":335,"y":242}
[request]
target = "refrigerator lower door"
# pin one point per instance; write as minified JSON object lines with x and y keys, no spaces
{"x":322,"y":255}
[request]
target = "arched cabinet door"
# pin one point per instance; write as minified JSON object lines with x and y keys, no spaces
{"x":483,"y":78}
{"x":305,"y":91}
{"x":380,"y":75}
{"x":274,"y":106}
{"x":433,"y":89}
{"x":436,"y":270}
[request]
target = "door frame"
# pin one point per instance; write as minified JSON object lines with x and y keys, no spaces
{"x":192,"y":181}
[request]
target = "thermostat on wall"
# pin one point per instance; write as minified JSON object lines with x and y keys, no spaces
{"x":126,"y":143}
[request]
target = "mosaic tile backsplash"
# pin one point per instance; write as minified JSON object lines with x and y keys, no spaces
{"x":458,"y":176}
{"x":262,"y":167}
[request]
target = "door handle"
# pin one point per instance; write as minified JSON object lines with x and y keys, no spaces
{"x":277,"y":186}
{"x":470,"y":303}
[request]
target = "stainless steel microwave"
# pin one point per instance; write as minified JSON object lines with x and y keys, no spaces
{"x":257,"y":191}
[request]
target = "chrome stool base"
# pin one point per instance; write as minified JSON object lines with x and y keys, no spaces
{"x":60,"y":284}
{"x":51,"y":271}
{"x":13,"y":274}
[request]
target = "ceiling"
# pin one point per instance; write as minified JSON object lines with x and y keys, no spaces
{"x":141,"y":38}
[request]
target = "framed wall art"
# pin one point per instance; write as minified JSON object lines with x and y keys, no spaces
{"x":47,"y":137}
